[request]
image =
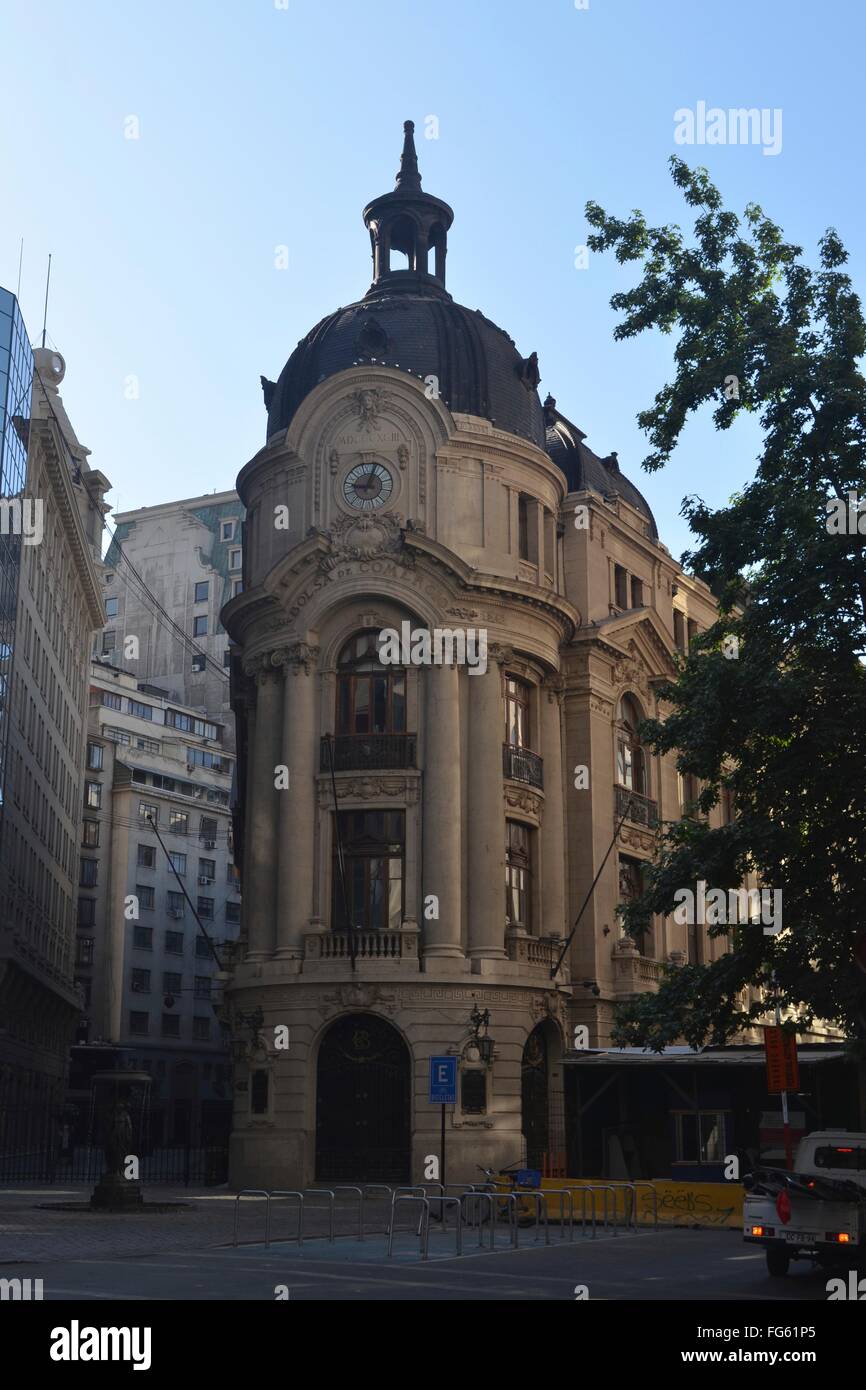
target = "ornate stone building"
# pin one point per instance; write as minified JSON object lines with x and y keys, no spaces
{"x":454,"y":815}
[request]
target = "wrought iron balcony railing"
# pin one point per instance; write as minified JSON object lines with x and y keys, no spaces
{"x":642,"y":811}
{"x":522,"y":766}
{"x":363,"y":752}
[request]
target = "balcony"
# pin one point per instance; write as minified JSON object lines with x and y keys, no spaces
{"x":368,"y":752}
{"x":369,"y":945}
{"x":540,"y":953}
{"x":641,"y":812}
{"x":635,"y":973}
{"x":519,"y":765}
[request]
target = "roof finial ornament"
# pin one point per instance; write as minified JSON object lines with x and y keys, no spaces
{"x":408,"y":177}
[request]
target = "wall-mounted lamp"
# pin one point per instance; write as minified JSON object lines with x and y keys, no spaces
{"x":485,"y":1044}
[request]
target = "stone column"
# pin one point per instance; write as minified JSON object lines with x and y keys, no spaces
{"x":297,"y":804}
{"x":553,"y":824}
{"x":261,"y":821}
{"x":249,"y":704}
{"x":486,"y":813}
{"x":441,"y":809}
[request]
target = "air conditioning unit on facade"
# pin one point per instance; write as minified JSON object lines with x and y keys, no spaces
{"x":176,"y":912}
{"x":203,"y":879}
{"x":209,"y":844}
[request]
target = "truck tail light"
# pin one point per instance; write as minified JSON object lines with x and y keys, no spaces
{"x":757,"y":1230}
{"x":838,"y":1237}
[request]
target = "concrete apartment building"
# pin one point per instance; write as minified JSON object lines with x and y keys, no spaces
{"x":147,"y":973}
{"x":50,"y":605}
{"x":189,"y":555}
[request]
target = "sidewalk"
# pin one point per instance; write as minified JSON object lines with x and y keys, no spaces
{"x":30,"y":1233}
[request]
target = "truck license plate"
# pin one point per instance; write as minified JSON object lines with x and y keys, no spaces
{"x":800,"y":1237}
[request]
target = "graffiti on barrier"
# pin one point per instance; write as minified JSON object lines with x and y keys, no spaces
{"x":675,"y":1202}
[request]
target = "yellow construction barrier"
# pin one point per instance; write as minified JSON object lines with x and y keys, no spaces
{"x":705,"y":1204}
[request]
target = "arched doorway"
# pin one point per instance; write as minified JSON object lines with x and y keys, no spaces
{"x":542,"y":1113}
{"x":363,"y":1102}
{"x":534,"y":1097}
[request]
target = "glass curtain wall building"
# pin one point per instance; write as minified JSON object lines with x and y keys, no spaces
{"x":16,"y":384}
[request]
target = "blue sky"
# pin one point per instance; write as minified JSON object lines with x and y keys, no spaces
{"x":263,"y":126}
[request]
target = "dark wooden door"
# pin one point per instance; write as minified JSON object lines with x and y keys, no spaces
{"x":363,"y":1103}
{"x":534,"y":1098}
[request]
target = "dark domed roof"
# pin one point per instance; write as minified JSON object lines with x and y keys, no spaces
{"x":584,"y":469}
{"x":478,"y":369}
{"x":408,"y":320}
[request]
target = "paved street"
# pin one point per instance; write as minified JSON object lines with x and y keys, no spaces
{"x":189,"y":1255}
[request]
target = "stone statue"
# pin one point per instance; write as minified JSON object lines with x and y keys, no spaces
{"x":117,"y":1143}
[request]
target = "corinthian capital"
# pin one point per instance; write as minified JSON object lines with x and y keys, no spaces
{"x":260,"y":667}
{"x":296,"y":657}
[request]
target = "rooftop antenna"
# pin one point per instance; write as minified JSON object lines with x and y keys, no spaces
{"x":20,"y":263}
{"x":45,"y":314}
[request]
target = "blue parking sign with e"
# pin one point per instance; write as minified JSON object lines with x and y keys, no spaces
{"x":443,"y":1080}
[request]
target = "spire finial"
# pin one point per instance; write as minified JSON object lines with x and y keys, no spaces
{"x":408,"y":177}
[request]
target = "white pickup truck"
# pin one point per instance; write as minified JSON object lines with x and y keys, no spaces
{"x":816,"y":1212}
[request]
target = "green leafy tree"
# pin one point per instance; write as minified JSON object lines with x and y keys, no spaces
{"x":781,"y":725}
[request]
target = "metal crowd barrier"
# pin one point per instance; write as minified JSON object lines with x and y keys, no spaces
{"x":250,"y":1192}
{"x":329,"y":1194}
{"x":566,"y":1192}
{"x":483,"y":1197}
{"x":424,"y":1225}
{"x":373,"y":1188}
{"x":655,"y":1201}
{"x":286,"y":1192}
{"x":540,"y":1199}
{"x":360,"y":1192}
{"x":468,"y":1202}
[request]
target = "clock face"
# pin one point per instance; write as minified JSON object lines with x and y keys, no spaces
{"x":368,"y":486}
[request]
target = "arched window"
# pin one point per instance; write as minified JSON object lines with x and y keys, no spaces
{"x":630,"y":758}
{"x":371,"y":698}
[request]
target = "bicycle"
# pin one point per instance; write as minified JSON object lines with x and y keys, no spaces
{"x":510,"y":1181}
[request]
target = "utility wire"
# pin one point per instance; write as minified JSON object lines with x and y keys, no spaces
{"x":213,"y":951}
{"x":570,"y":936}
{"x":143,"y":591}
